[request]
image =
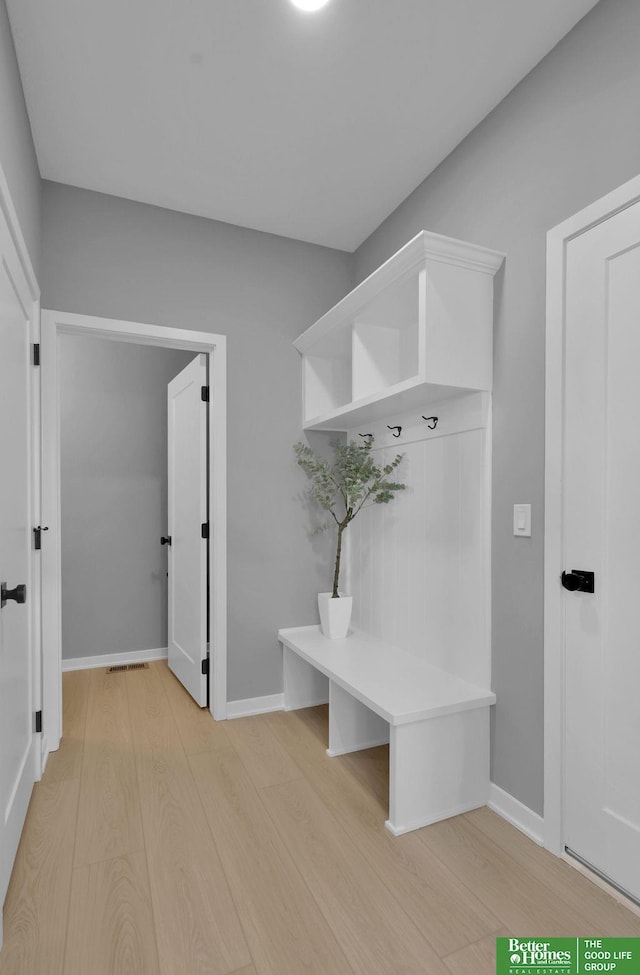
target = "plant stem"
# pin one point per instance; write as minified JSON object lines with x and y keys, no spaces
{"x":336,"y":574}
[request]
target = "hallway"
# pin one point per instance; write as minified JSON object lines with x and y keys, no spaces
{"x":160,"y":842}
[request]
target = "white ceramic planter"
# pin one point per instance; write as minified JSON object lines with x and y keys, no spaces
{"x":335,"y":615}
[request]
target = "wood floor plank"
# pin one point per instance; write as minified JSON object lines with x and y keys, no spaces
{"x":37,"y":903}
{"x":307,"y":728}
{"x":297,"y":876}
{"x":196,"y":920}
{"x":596,"y":906}
{"x":476,"y":959}
{"x":304,"y":733}
{"x":285,"y":929}
{"x":66,"y":762}
{"x":371,"y":768}
{"x":197,"y":729}
{"x":109,"y":821}
{"x":264,"y":758}
{"x":521,"y":902}
{"x":447,"y":914}
{"x":111,"y":930}
{"x":374,"y":932}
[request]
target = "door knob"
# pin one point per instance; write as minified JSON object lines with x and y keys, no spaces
{"x":578,"y":580}
{"x":19,"y":594}
{"x":165,"y":540}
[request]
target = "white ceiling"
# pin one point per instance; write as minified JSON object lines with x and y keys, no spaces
{"x":313,"y":126}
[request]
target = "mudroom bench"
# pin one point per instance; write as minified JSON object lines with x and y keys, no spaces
{"x":436,"y":724}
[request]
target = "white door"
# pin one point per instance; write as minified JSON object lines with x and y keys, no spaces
{"x":188,"y":528}
{"x":17,"y":739}
{"x":601,"y":505}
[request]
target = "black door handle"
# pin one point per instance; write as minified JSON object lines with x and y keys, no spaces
{"x":19,"y":594}
{"x":165,"y":540}
{"x":578,"y":580}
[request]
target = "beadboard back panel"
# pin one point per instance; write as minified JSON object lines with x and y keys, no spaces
{"x":419,"y":567}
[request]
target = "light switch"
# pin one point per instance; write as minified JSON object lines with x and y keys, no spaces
{"x":522,"y":520}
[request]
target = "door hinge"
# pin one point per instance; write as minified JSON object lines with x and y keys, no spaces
{"x":204,"y":394}
{"x":38,"y":722}
{"x":36,"y":353}
{"x":204,"y":529}
{"x":205,"y":666}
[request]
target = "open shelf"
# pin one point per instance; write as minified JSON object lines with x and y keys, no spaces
{"x":385,"y":340}
{"x":418,"y":328}
{"x":327,"y":374}
{"x":401,"y":398}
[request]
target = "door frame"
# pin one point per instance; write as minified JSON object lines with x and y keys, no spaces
{"x":53,"y":325}
{"x":554,"y":650}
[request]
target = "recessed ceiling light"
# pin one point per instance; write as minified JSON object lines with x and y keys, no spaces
{"x":309,"y":5}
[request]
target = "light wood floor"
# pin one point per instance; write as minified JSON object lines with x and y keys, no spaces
{"x":161,"y":842}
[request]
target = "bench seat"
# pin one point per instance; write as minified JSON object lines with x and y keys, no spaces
{"x":437,"y":724}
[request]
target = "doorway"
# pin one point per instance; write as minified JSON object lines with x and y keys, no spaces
{"x":113,"y":499}
{"x":592,"y":790}
{"x":55,"y":327}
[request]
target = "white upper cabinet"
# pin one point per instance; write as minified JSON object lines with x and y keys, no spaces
{"x":416,"y":330}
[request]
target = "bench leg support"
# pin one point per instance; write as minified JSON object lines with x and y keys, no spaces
{"x":352,"y":726}
{"x":304,"y":686}
{"x":438,"y":768}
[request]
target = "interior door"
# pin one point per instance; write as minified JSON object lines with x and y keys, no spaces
{"x":188,"y":528}
{"x":602,"y":534}
{"x":17,"y":739}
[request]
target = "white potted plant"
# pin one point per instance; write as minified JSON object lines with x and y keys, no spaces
{"x":343,"y":488}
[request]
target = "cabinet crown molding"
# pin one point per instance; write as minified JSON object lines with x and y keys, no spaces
{"x":417,"y":330}
{"x":425,"y":246}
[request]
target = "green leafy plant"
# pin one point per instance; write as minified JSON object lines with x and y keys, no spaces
{"x":344,"y":487}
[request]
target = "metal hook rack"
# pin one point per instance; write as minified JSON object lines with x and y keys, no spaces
{"x":432,"y":421}
{"x":397,"y":429}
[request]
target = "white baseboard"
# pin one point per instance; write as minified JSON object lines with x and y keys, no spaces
{"x":255,"y":705}
{"x":519,"y":815}
{"x":114,"y":659}
{"x":45,"y":751}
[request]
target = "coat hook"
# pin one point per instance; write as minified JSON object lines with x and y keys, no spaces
{"x":397,"y":429}
{"x":432,"y":421}
{"x":367,"y":436}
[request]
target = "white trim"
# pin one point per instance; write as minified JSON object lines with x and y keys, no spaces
{"x":554,"y":690}
{"x":255,"y":705}
{"x":519,"y":815}
{"x":600,"y":882}
{"x":54,"y":324}
{"x":442,"y":814}
{"x":7,"y":207}
{"x":113,"y":659}
{"x":35,"y":573}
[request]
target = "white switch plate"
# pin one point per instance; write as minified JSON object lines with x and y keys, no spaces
{"x":522,"y":520}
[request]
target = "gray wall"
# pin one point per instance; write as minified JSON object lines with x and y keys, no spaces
{"x":568,"y":134}
{"x":111,"y":257}
{"x":113,"y":470}
{"x":17,"y":154}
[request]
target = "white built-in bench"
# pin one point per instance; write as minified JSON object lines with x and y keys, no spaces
{"x":437,"y":724}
